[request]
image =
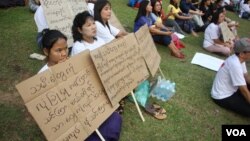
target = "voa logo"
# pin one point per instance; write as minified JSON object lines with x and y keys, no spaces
{"x":236,"y":132}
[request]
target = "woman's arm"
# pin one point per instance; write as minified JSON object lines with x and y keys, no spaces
{"x":182,"y":17}
{"x":156,"y":31}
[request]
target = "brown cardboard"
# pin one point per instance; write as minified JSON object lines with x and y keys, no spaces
{"x":226,"y":32}
{"x":36,"y":85}
{"x":120,"y":67}
{"x":148,"y":49}
{"x":73,"y":100}
{"x":59,"y":14}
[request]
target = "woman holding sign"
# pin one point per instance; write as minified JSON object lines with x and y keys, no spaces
{"x":212,"y":37}
{"x":102,"y":13}
{"x":55,"y":48}
{"x":159,"y":35}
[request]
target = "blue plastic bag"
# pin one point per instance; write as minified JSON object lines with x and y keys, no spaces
{"x":142,"y":93}
{"x":163,"y":90}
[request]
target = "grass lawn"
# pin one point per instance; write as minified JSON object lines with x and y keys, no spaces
{"x":192,"y":115}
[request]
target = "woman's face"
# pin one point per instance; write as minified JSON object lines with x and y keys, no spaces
{"x":208,"y":2}
{"x":221,"y":17}
{"x":176,"y":1}
{"x":58,"y":53}
{"x":89,"y":28}
{"x":106,"y":12}
{"x":149,"y":7}
{"x":157,"y":6}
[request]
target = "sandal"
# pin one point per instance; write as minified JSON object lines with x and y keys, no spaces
{"x":120,"y":109}
{"x":159,"y":108}
{"x":154,"y":112}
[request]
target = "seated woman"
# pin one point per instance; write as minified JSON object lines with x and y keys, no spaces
{"x":102,"y":13}
{"x":159,"y":35}
{"x":158,"y":16}
{"x":207,"y":8}
{"x":84,"y":33}
{"x":55,"y":48}
{"x":212,"y":38}
{"x":188,"y":8}
{"x":184,"y":21}
{"x":41,"y":24}
{"x":245,"y":9}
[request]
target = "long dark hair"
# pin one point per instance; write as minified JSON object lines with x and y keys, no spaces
{"x":216,"y":16}
{"x":174,"y":4}
{"x":97,"y":10}
{"x":79,"y":21}
{"x":50,"y":37}
{"x":153,"y":3}
{"x":142,"y":9}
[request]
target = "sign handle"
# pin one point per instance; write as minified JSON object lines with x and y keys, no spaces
{"x":137,"y":106}
{"x":162,"y":73}
{"x":99,"y":134}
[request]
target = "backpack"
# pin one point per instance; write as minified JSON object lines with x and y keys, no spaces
{"x":132,"y":3}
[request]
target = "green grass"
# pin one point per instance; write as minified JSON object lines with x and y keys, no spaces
{"x":192,"y":115}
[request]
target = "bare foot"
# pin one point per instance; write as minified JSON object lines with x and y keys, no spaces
{"x":194,"y":34}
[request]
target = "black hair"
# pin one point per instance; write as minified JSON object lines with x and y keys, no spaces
{"x":153,"y":3}
{"x":202,"y":4}
{"x":79,"y":21}
{"x":97,"y":10}
{"x":142,"y":9}
{"x":50,"y":37}
{"x":216,"y":16}
{"x":245,"y":1}
{"x":174,"y":4}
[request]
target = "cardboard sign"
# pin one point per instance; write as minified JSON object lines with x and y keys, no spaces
{"x":115,"y":22}
{"x":226,"y":32}
{"x":60,"y":14}
{"x":71,"y":107}
{"x":148,"y":49}
{"x":120,"y":67}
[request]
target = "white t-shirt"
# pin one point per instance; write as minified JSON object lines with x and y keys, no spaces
{"x":229,"y":77}
{"x":91,"y":8}
{"x":81,"y":46}
{"x":105,"y":33}
{"x":244,"y":8}
{"x":212,"y":32}
{"x":40,"y":19}
{"x":44,"y":68}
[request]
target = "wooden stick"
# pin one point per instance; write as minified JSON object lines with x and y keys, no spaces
{"x":137,"y":106}
{"x":99,"y":134}
{"x":162,"y":73}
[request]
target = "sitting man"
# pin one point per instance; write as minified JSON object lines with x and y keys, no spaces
{"x":231,"y":84}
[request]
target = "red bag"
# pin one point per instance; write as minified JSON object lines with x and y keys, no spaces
{"x":177,"y":41}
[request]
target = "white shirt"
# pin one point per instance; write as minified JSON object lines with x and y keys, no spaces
{"x":91,"y":8}
{"x":81,"y":46}
{"x":212,"y":32}
{"x":40,"y":19}
{"x":44,"y":68}
{"x":229,"y":77}
{"x":244,"y":8}
{"x":225,"y":2}
{"x":105,"y":33}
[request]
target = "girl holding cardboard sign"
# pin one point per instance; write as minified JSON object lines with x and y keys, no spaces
{"x":55,"y":48}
